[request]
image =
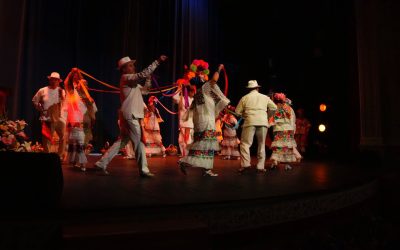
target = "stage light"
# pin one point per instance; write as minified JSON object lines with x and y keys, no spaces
{"x":321,"y":128}
{"x":322,"y":107}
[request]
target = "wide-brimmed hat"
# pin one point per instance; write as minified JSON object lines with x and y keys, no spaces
{"x":55,"y":75}
{"x":253,"y":84}
{"x":124,"y":60}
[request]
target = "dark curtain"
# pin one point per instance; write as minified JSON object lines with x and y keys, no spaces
{"x":94,"y":35}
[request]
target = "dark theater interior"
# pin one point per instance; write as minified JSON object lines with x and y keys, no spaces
{"x":321,"y":171}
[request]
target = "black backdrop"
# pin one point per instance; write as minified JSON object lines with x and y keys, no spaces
{"x":304,"y":48}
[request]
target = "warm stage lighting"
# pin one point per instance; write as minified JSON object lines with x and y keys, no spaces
{"x":321,"y":128}
{"x":322,"y":107}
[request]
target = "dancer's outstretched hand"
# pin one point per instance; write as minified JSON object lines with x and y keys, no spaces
{"x":162,"y":58}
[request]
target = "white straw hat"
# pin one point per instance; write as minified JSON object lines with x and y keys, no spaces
{"x":252,"y":84}
{"x":54,"y":75}
{"x":124,"y":60}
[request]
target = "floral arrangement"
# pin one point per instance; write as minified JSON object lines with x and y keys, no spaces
{"x":13,"y":137}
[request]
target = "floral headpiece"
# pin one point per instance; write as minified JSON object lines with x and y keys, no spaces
{"x":280,"y":97}
{"x":152,"y":99}
{"x":198,"y":67}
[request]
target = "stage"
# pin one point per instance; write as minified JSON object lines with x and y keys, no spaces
{"x":96,"y":206}
{"x":123,"y":188}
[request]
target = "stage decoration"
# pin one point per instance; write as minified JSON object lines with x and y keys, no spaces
{"x":13,"y":137}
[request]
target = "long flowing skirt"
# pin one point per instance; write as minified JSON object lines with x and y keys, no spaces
{"x":283,"y":147}
{"x":153,"y":144}
{"x":202,"y":150}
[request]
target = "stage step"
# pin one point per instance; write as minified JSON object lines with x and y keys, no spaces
{"x":154,"y":234}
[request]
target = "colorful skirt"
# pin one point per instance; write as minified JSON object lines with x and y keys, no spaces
{"x":230,"y":146}
{"x":153,"y":143}
{"x":202,"y":150}
{"x":283,"y":147}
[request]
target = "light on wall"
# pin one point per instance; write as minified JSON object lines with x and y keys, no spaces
{"x":322,"y":107}
{"x":321,"y":128}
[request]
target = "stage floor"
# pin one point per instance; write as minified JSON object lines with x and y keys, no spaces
{"x":124,"y":189}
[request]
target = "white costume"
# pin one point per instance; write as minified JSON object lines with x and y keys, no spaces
{"x":284,"y":126}
{"x":208,"y":102}
{"x":132,"y":112}
{"x":50,"y":102}
{"x":230,"y":143}
{"x":185,"y":125}
{"x":253,"y":107}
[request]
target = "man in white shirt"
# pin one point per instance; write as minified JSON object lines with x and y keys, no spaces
{"x":253,"y":107}
{"x":132,"y":112}
{"x":49,"y":101}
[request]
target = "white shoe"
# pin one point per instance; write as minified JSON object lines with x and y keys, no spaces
{"x":103,"y":170}
{"x":288,"y":167}
{"x":210,"y":173}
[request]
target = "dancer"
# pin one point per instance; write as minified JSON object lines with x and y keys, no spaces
{"x":132,"y":112}
{"x":49,"y":101}
{"x":185,"y":126}
{"x":283,"y":124}
{"x":218,"y":131}
{"x":303,"y":126}
{"x":254,"y":107}
{"x":230,"y":143}
{"x":151,"y":121}
{"x":77,"y":105}
{"x":207,"y":103}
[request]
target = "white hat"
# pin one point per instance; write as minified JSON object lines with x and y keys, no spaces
{"x":124,"y":60}
{"x":54,"y":75}
{"x":253,"y":84}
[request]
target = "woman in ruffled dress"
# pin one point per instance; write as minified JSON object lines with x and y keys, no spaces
{"x":230,"y":143}
{"x":78,"y":103}
{"x":208,"y":102}
{"x":151,"y":129}
{"x":284,"y":125}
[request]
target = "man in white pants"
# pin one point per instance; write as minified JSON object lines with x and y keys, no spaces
{"x":253,"y":107}
{"x":132,"y":112}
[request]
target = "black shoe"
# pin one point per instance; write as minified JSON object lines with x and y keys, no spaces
{"x":182,"y":167}
{"x":146,"y":175}
{"x":261,"y":171}
{"x":242,"y":170}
